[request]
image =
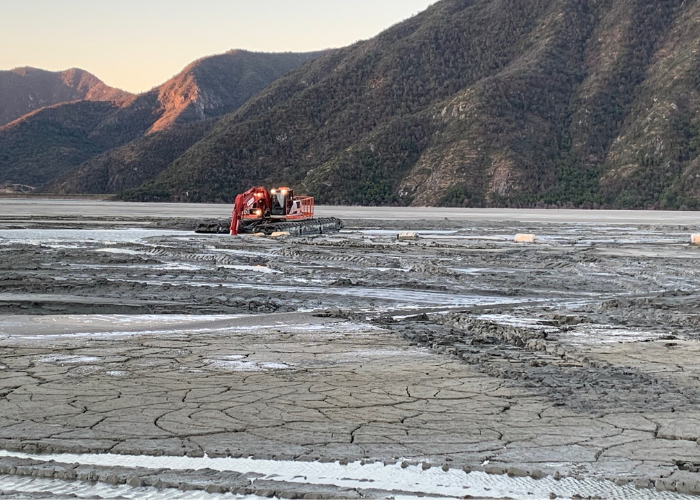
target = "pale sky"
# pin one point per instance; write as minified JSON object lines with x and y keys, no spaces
{"x":138,"y":44}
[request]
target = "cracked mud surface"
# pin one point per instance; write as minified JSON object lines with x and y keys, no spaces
{"x":576,"y":355}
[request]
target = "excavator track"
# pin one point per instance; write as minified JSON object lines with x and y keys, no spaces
{"x":270,"y":226}
{"x":297,"y":228}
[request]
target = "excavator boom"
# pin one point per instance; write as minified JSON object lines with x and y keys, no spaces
{"x":254,"y":203}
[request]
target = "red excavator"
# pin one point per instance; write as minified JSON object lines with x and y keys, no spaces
{"x":276,"y":211}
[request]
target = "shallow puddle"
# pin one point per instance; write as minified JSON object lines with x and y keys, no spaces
{"x":103,"y":236}
{"x":52,"y":328}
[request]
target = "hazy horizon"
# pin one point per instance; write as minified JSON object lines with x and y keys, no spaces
{"x":136,"y":45}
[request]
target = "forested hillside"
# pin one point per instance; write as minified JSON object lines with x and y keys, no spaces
{"x":49,"y":141}
{"x":53,"y":141}
{"x":475,"y":103}
{"x":129,"y":166}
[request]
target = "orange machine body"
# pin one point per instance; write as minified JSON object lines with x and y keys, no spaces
{"x":276,"y":205}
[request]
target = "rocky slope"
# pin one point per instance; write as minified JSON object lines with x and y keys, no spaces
{"x":23,"y":90}
{"x":214,"y":86}
{"x":476,"y":103}
{"x":51,"y":142}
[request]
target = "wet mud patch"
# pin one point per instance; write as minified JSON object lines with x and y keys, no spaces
{"x":534,"y":359}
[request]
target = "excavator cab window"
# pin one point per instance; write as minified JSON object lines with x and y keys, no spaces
{"x":278,"y":204}
{"x":281,"y":201}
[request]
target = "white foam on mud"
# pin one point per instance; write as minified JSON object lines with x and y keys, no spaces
{"x":61,"y":236}
{"x":681,"y":238}
{"x":66,"y":359}
{"x":396,"y":232}
{"x":170,"y":266}
{"x":516,"y":321}
{"x":340,"y":327}
{"x":402,"y":297}
{"x":497,"y":237}
{"x":12,"y":329}
{"x":110,"y":325}
{"x":482,"y":270}
{"x":55,"y":246}
{"x":389,"y":269}
{"x":453,"y":483}
{"x":387,"y":353}
{"x":138,"y":319}
{"x":257,"y":269}
{"x":127,"y":251}
{"x":126,"y":333}
{"x":585,"y":335}
{"x":237,"y":363}
{"x":176,"y":266}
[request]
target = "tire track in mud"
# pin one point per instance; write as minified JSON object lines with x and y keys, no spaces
{"x":533,"y":359}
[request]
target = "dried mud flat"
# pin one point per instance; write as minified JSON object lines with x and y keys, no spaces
{"x":140,"y":360}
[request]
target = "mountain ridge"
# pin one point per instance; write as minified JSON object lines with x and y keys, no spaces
{"x":31,"y":151}
{"x":475,"y":103}
{"x":26,"y":89}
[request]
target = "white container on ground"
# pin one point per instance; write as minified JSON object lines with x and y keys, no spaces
{"x":407,"y":236}
{"x":525,"y":238}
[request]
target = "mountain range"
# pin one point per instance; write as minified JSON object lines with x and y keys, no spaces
{"x":42,"y":146}
{"x":589,"y":103}
{"x":23,"y":90}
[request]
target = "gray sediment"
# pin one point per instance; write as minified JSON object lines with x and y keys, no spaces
{"x":575,"y":356}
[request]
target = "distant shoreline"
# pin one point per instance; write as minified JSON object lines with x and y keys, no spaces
{"x":60,"y":208}
{"x":101,"y":197}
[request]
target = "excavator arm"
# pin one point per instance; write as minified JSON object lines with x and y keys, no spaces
{"x":254,"y":203}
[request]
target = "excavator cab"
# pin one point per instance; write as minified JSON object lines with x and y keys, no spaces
{"x":282,"y":201}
